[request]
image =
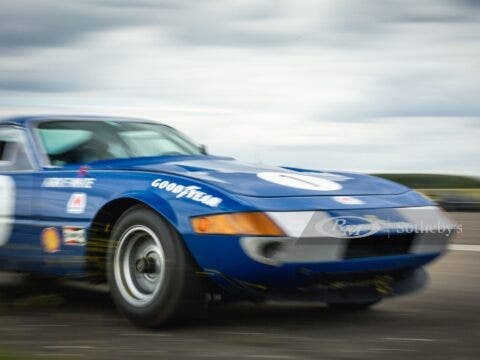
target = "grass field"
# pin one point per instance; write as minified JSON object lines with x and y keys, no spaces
{"x":434,"y":181}
{"x":450,"y":191}
{"x":467,"y":193}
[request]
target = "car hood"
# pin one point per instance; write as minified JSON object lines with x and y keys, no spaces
{"x":257,"y":180}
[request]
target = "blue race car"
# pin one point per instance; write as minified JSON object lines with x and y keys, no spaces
{"x":140,"y":206}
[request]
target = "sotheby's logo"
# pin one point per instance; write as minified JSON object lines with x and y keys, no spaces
{"x":359,"y":226}
{"x":350,"y":227}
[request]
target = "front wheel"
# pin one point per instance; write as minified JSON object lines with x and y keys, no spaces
{"x":150,"y":273}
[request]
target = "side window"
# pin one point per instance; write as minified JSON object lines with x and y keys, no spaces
{"x":13,"y":151}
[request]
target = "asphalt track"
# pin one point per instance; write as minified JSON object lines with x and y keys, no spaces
{"x":442,"y":322}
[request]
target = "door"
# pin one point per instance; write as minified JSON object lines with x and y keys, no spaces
{"x":18,"y":238}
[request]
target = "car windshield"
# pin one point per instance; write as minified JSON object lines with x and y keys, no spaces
{"x":80,"y":142}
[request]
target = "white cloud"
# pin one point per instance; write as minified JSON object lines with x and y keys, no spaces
{"x":381,"y":86}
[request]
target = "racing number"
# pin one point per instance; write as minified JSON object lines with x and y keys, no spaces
{"x":7,"y":208}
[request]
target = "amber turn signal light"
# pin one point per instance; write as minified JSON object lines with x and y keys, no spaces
{"x":249,"y":223}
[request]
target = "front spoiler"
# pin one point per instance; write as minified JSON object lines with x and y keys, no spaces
{"x":326,"y":288}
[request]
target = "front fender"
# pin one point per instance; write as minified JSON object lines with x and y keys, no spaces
{"x":169,"y":195}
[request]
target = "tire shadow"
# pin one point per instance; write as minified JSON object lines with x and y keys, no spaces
{"x":30,"y":296}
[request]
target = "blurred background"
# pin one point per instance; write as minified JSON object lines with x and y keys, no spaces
{"x":385,"y":87}
{"x":370,"y":86}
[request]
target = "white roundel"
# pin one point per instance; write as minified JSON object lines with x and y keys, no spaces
{"x":300,"y":181}
{"x":7,"y":208}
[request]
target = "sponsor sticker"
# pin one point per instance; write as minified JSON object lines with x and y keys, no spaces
{"x":193,"y":193}
{"x":77,"y":203}
{"x":300,"y":181}
{"x":348,"y":200}
{"x":77,"y":183}
{"x":74,"y":236}
{"x":51,"y":240}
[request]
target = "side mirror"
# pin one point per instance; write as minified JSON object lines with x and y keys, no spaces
{"x":203,"y":149}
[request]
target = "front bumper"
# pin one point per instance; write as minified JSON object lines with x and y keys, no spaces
{"x":308,"y":252}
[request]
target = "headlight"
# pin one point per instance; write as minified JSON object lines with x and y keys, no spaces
{"x":249,"y":223}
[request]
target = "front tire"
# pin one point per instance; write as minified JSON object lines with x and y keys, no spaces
{"x":150,"y":273}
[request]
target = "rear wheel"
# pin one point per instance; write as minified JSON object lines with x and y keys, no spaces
{"x":151,"y":275}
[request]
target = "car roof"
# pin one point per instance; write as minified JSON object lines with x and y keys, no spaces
{"x":25,"y":120}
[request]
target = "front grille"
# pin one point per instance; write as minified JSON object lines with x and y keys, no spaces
{"x":376,"y":245}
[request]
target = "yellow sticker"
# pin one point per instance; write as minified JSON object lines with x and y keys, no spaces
{"x":51,"y":240}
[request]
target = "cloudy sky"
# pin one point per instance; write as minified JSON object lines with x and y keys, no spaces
{"x":354,"y":85}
